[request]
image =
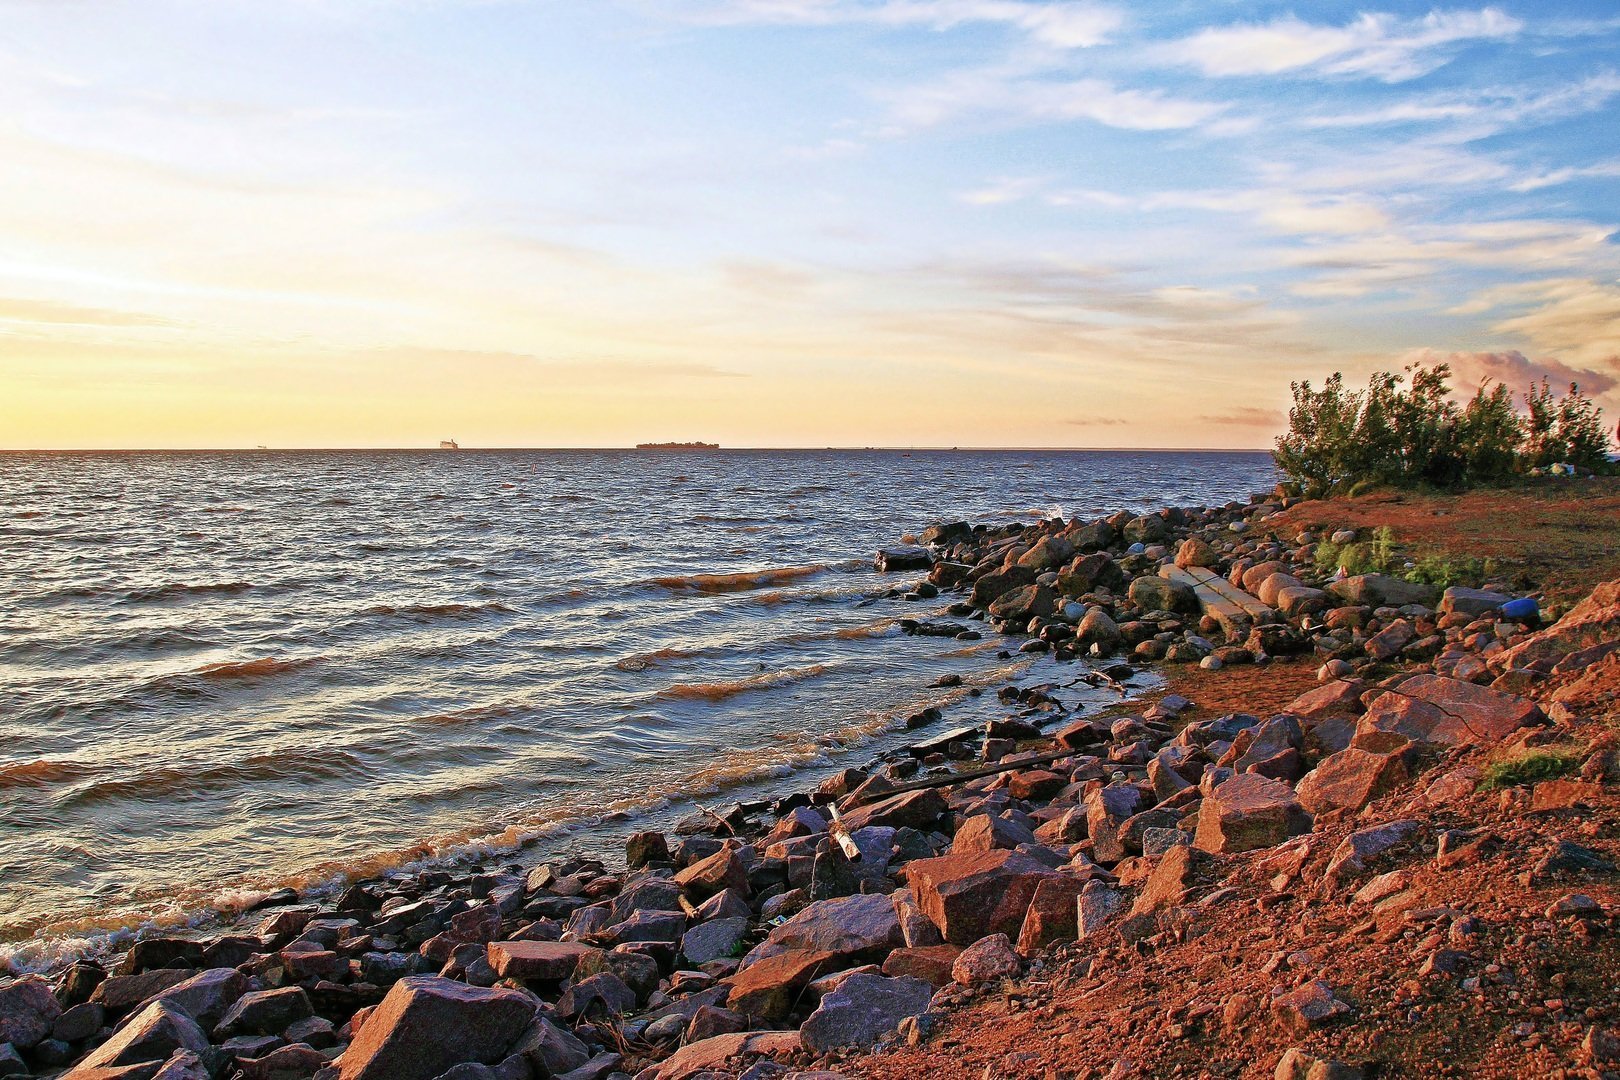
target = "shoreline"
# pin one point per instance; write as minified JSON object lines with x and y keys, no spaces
{"x":730,"y":878}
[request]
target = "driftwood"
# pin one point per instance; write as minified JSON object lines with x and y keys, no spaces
{"x":840,"y":834}
{"x":973,"y":774}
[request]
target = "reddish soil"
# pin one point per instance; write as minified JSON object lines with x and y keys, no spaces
{"x":1560,"y":536}
{"x":1528,"y":987}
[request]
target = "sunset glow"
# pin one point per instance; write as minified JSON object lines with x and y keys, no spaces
{"x":787,"y":222}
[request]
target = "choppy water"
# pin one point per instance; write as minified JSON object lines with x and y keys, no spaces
{"x":226,"y":672}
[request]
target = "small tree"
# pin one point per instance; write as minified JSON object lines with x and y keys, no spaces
{"x":1489,"y":433}
{"x":1581,"y":432}
{"x":1317,"y":449}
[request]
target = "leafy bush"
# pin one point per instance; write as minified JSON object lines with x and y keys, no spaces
{"x":1444,"y":571}
{"x":1374,"y":557}
{"x":1530,"y":767}
{"x":1417,"y":435}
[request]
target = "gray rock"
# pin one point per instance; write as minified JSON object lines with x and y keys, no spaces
{"x":153,"y":1034}
{"x":1472,"y":602}
{"x":1099,"y":903}
{"x":860,"y":926}
{"x":427,"y":1024}
{"x":552,"y":1050}
{"x":862,"y":1010}
{"x":28,"y":1009}
{"x":207,"y":995}
{"x":713,"y":940}
{"x":1379,"y":590}
{"x":264,"y":1012}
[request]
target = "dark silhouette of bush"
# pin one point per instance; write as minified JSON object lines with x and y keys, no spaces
{"x":1408,"y":431}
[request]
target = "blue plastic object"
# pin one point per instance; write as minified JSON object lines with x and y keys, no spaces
{"x":1519,"y":610}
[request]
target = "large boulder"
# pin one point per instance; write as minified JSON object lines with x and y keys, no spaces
{"x":1148,"y":529}
{"x":1049,"y":554}
{"x":993,"y":585}
{"x":983,"y":832}
{"x":1052,"y":914}
{"x":721,"y":871}
{"x":427,"y":1024}
{"x":1249,"y":811}
{"x":1089,"y":572}
{"x":1471,"y":602}
{"x":864,"y":926}
{"x":970,"y":895}
{"x":1381,"y":590}
{"x":862,"y":1010}
{"x":1273,"y":584}
{"x":1432,"y":710}
{"x":1161,"y":594}
{"x":152,"y":1034}
{"x":772,"y":987}
{"x":910,"y":809}
{"x":712,"y":1055}
{"x":1329,"y":714}
{"x":28,"y":1008}
{"x":207,"y":995}
{"x":902,"y":557}
{"x":713,"y":940}
{"x":1098,"y":628}
{"x":1107,"y":810}
{"x":1593,"y":621}
{"x":264,"y":1012}
{"x":988,"y":960}
{"x":1196,"y":552}
{"x":1352,"y":778}
{"x":541,"y":961}
{"x":1021,"y":605}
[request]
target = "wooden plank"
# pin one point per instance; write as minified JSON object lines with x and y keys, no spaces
{"x":1233,"y":608}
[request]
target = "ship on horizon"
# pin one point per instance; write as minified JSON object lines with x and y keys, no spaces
{"x":449,"y":444}
{"x":677,"y":446}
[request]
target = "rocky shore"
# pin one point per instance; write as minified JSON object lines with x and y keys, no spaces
{"x":1408,"y":870}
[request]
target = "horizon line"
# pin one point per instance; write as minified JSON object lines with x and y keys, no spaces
{"x":628,"y":449}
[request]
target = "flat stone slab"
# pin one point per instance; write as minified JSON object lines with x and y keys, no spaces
{"x":1229,"y":605}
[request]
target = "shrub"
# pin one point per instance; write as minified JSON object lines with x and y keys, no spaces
{"x":1444,"y":571}
{"x":1408,"y":431}
{"x":1530,"y":767}
{"x":1373,"y":557}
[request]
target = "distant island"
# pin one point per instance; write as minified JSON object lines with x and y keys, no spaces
{"x":677,"y":446}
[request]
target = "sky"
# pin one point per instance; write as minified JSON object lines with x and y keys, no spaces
{"x":342,"y":223}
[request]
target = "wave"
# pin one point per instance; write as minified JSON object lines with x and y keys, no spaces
{"x":737,"y":582}
{"x":179,"y":589}
{"x":42,"y":773}
{"x":251,"y":669}
{"x":441,"y":611}
{"x":878,"y":629}
{"x":471,"y":715}
{"x":719,"y":691}
{"x":297,"y":766}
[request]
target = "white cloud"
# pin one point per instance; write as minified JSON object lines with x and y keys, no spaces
{"x":1554,"y":177}
{"x":1065,"y":24}
{"x":1011,"y":94}
{"x":1376,"y":45}
{"x":1487,"y":111}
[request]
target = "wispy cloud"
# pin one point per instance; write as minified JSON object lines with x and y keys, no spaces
{"x":1250,"y":416}
{"x":1063,"y":24}
{"x":1021,"y":98}
{"x":1374,"y":45}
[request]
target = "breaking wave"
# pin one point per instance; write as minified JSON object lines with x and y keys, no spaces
{"x":719,"y":691}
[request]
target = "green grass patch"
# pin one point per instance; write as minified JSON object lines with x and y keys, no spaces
{"x":1530,"y":767}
